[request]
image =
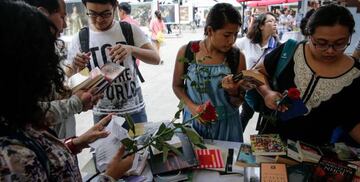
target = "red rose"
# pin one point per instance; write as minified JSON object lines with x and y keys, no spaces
{"x":293,"y":93}
{"x":207,"y":113}
{"x":195,"y":47}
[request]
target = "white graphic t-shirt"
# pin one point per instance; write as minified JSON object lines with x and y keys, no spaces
{"x":124,"y":95}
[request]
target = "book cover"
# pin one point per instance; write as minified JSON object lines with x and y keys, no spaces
{"x":245,"y":157}
{"x":209,"y":158}
{"x":309,"y":152}
{"x":273,"y":172}
{"x":294,"y":150}
{"x":252,"y":76}
{"x":174,"y":162}
{"x":332,"y":169}
{"x":300,"y":172}
{"x":252,"y":174}
{"x":267,"y":144}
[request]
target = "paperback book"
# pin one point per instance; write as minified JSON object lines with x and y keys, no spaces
{"x":267,"y":144}
{"x":245,"y":157}
{"x":309,"y":152}
{"x":332,"y":169}
{"x":97,"y":77}
{"x":273,"y":172}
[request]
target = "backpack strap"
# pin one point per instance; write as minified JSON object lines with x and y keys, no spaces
{"x":189,"y":55}
{"x":286,"y":55}
{"x":84,"y":39}
{"x":128,"y":34}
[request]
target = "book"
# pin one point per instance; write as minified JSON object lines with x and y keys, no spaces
{"x":245,"y":157}
{"x":267,"y":144}
{"x":174,"y":162}
{"x":97,"y":77}
{"x":252,"y":174}
{"x":294,"y":150}
{"x":332,"y":169}
{"x":209,"y":158}
{"x":252,"y":76}
{"x":300,"y":172}
{"x":285,"y":160}
{"x":310,"y":153}
{"x":139,"y":163}
{"x":274,"y":172}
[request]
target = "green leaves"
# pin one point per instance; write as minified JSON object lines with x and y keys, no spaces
{"x":129,"y":144}
{"x":130,"y":123}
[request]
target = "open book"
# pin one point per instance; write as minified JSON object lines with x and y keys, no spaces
{"x":253,"y":76}
{"x":97,"y":77}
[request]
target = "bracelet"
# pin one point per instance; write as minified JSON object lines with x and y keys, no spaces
{"x":70,"y":144}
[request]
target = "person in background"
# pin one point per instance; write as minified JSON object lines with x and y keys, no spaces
{"x":258,"y":42}
{"x":283,"y":25}
{"x":124,"y":96}
{"x":63,"y":107}
{"x":27,"y":151}
{"x":326,"y":78}
{"x":157,"y":25}
{"x":218,"y":54}
{"x":75,"y":19}
{"x":124,"y":11}
{"x":356,"y":53}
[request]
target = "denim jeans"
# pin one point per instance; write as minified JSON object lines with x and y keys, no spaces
{"x":139,"y":117}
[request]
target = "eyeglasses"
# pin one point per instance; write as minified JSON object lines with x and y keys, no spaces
{"x":326,"y":46}
{"x":104,"y":15}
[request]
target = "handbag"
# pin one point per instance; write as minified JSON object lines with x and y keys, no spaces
{"x":160,"y":37}
{"x":252,"y":97}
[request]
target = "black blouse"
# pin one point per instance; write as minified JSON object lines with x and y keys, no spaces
{"x":330,"y":101}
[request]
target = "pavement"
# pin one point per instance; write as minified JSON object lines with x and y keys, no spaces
{"x":161,"y":102}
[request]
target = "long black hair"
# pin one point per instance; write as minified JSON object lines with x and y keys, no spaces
{"x":221,"y":14}
{"x":28,"y":50}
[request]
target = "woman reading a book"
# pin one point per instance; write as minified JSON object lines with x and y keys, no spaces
{"x":326,"y":78}
{"x":209,"y":61}
{"x":28,"y":152}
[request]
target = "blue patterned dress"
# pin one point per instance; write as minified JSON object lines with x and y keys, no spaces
{"x":228,"y":126}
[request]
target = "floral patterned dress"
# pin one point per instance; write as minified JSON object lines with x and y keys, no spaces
{"x":19,"y":163}
{"x":228,"y":126}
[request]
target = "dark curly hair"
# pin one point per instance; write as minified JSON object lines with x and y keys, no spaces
{"x":221,"y":14}
{"x":255,"y":34}
{"x":330,"y":15}
{"x":27,"y":48}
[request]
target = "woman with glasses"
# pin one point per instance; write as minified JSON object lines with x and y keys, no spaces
{"x":328,"y":80}
{"x":258,"y":42}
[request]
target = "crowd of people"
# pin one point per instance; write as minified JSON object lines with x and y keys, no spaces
{"x":37,"y":134}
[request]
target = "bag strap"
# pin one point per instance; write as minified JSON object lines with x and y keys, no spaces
{"x":272,"y":44}
{"x":128,"y":34}
{"x":286,"y":55}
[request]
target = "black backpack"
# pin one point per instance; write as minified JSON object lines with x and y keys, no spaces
{"x":128,"y":34}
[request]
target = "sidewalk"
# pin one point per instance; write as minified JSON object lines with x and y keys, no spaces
{"x":161,"y":102}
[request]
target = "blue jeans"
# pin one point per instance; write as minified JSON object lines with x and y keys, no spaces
{"x":139,"y":117}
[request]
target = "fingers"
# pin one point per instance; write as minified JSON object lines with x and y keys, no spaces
{"x":118,"y":53}
{"x":105,"y":121}
{"x":81,"y":60}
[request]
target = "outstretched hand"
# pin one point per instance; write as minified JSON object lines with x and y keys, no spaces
{"x":118,"y":166}
{"x":94,"y":133}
